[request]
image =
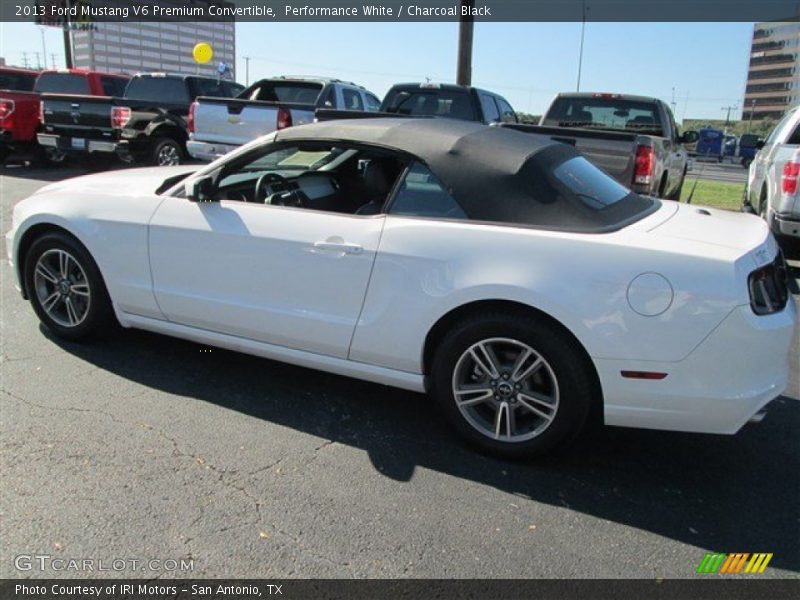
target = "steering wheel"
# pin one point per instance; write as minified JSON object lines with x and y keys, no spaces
{"x":267,"y":179}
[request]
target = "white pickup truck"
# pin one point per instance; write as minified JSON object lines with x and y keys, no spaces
{"x":772,"y":189}
{"x":218,"y":125}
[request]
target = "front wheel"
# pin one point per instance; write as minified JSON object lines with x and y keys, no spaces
{"x":66,"y":289}
{"x":512,"y":386}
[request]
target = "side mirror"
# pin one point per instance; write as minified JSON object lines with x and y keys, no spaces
{"x":759,"y":144}
{"x":689,"y":137}
{"x":200,"y":189}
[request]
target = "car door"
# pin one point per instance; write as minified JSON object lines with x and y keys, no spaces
{"x":286,"y":276}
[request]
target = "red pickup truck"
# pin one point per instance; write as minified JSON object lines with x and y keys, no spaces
{"x":20,"y":105}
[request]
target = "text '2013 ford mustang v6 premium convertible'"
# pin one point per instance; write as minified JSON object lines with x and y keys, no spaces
{"x":499,"y":271}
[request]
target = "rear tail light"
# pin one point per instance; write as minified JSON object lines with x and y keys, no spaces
{"x":120,"y":115}
{"x":190,"y":118}
{"x":791,"y":171}
{"x":41,"y":112}
{"x":6,"y":109}
{"x":284,"y":118}
{"x":769,"y":287}
{"x":643,"y":172}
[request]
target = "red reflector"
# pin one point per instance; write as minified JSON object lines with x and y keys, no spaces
{"x":284,"y":118}
{"x":643,"y":375}
{"x":6,"y":108}
{"x":791,"y":170}
{"x":644,"y":164}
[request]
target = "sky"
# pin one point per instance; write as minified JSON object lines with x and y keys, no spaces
{"x":701,"y":66}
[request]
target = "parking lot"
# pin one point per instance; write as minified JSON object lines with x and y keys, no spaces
{"x":142,"y":446}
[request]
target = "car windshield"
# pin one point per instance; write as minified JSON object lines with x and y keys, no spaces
{"x":62,"y":83}
{"x":303,"y":92}
{"x":454,"y":104}
{"x":605,"y":112}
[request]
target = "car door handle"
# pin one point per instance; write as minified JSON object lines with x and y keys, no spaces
{"x":343,"y":247}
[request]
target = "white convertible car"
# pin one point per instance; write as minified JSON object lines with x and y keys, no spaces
{"x":500,"y":272}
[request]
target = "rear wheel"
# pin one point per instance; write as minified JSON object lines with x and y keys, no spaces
{"x":66,"y":289}
{"x":513,"y":386}
{"x":166,"y":152}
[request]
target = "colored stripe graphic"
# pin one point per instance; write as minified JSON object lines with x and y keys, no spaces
{"x":734,"y":562}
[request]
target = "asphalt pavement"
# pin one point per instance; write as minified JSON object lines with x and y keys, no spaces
{"x":725,"y":172}
{"x":146,"y":447}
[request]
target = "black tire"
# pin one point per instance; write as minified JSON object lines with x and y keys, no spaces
{"x":98,"y":317}
{"x":50,"y":158}
{"x":662,"y":186}
{"x":166,"y":149}
{"x":676,"y":195}
{"x":566,"y":361}
{"x":746,"y":162}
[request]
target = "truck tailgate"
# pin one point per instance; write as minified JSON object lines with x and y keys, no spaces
{"x":236,"y":122}
{"x":612,"y":151}
{"x":79,"y":116}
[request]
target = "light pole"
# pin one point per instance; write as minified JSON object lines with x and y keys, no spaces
{"x":44,"y":47}
{"x":752,"y":110}
{"x":246,"y":70}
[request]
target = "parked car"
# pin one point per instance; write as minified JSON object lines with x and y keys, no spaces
{"x":19,"y":111}
{"x":20,"y":125}
{"x":632,"y":138}
{"x":219,"y":126}
{"x":501,"y":272}
{"x":772,"y":188}
{"x":748,"y":146}
{"x":446,"y":100}
{"x":147,"y":122}
{"x":710,"y":143}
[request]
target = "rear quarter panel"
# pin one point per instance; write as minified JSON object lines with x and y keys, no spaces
{"x":425,"y":268}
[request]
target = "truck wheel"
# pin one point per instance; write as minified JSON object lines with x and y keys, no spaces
{"x":514,"y":386}
{"x":166,"y":152}
{"x":66,"y":289}
{"x":51,"y":157}
{"x":746,"y":162}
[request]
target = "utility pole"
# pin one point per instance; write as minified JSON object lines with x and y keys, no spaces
{"x":25,"y":62}
{"x":246,"y":71}
{"x":53,"y":60}
{"x":44,"y":47}
{"x":673,"y":103}
{"x":466,"y":26}
{"x":580,"y":53}
{"x":38,"y":61}
{"x":752,"y":110}
{"x":728,"y":115}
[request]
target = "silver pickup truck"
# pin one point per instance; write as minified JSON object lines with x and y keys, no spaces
{"x":772,"y":186}
{"x":218,"y":125}
{"x":633,"y":138}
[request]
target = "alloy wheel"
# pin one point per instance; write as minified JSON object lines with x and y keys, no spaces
{"x":168,"y":155}
{"x":62,"y":288}
{"x":505,"y":390}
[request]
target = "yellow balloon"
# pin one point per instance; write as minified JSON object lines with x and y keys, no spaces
{"x":202,"y":52}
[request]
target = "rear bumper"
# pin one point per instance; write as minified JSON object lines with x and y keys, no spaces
{"x":739,"y":368}
{"x":77,"y":145}
{"x":208,"y":151}
{"x":786,"y":225}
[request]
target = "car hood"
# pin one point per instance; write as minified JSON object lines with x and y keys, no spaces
{"x":123,"y":182}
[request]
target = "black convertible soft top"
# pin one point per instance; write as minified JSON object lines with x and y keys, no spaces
{"x":495,"y":174}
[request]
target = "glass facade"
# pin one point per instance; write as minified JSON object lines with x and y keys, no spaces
{"x":773,"y":77}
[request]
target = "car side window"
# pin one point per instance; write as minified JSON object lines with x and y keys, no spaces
{"x":421,"y":194}
{"x":507,"y":114}
{"x":489,"y":108}
{"x":352,"y":99}
{"x":113,"y":86}
{"x":373,"y":104}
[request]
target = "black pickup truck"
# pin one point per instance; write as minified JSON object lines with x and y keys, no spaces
{"x":148,"y":124}
{"x":434,"y":100}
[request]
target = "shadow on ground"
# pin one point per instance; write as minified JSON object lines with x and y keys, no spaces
{"x":723,"y":493}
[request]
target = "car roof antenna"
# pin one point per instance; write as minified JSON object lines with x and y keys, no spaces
{"x":694,"y":186}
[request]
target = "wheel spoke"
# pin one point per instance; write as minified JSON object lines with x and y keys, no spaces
{"x":72,"y":314}
{"x":49,"y":303}
{"x":468,"y":395}
{"x":502,"y":421}
{"x":533,"y":401}
{"x":520,"y":371}
{"x":80,"y":289}
{"x":484,"y":358}
{"x":43,"y":271}
{"x":63,"y":264}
